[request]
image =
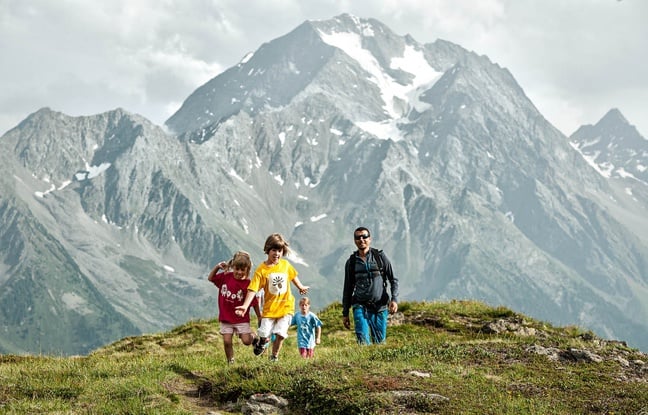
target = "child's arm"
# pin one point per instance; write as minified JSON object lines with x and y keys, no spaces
{"x":257,"y":310}
{"x":221,"y":265}
{"x":318,"y":334}
{"x":240,"y":310}
{"x":302,"y":288}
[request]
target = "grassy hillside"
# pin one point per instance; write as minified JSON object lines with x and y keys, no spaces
{"x":459,"y":357}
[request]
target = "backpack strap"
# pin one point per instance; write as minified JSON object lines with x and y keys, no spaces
{"x":378,"y":256}
{"x":351,"y":265}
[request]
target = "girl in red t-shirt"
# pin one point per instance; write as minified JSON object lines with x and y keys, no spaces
{"x":232,"y":282}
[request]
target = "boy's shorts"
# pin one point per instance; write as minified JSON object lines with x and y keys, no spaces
{"x":240,"y":328}
{"x":278,"y":326}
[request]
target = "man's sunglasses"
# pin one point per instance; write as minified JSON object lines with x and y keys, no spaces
{"x":363,"y":236}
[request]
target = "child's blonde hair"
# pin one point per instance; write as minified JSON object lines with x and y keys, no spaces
{"x":276,"y":241}
{"x":241,"y":260}
{"x":304,"y":300}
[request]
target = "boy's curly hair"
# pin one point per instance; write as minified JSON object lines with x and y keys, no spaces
{"x":276,"y":241}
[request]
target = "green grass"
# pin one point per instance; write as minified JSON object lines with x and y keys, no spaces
{"x":438,"y":361}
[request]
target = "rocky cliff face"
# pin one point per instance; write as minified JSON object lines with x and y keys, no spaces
{"x":340,"y":123}
{"x":91,"y":224}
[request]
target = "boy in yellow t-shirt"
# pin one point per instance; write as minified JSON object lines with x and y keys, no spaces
{"x":274,"y":275}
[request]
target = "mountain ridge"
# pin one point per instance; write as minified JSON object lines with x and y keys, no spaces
{"x":470,"y":191}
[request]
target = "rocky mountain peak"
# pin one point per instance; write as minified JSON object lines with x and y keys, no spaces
{"x":613,"y":117}
{"x":339,"y":123}
{"x":614,"y":147}
{"x":55,"y":146}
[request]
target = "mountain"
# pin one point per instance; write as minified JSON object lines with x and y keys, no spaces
{"x":339,"y":123}
{"x":97,"y":243}
{"x":618,"y":152}
{"x":614,"y":147}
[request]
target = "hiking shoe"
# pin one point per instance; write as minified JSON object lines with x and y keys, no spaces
{"x":259,"y":344}
{"x":274,"y":358}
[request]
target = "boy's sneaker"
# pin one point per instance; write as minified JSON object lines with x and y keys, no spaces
{"x":259,"y":344}
{"x":274,"y":358}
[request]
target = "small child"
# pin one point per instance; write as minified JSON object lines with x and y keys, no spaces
{"x":232,"y":287}
{"x":309,"y":329}
{"x":274,"y":276}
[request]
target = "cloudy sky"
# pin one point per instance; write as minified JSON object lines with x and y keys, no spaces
{"x":575,"y":59}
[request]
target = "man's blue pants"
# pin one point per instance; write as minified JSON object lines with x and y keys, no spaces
{"x":370,"y":326}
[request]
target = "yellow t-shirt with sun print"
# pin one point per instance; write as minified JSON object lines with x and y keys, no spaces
{"x":275,"y":281}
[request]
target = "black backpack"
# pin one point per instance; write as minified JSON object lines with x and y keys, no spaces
{"x":378,"y":256}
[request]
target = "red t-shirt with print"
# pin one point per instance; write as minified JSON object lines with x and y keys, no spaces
{"x":231,"y":294}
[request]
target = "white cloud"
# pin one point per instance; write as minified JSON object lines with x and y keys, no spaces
{"x":575,"y":59}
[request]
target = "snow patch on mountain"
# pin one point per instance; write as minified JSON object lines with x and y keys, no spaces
{"x":392,"y":92}
{"x":204,"y":201}
{"x":91,"y":172}
{"x":295,"y":258}
{"x":414,"y":62}
{"x":384,"y":130}
{"x":234,"y":174}
{"x":246,"y":58}
{"x":42,"y":194}
{"x":318,"y":217}
{"x":603,"y":170}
